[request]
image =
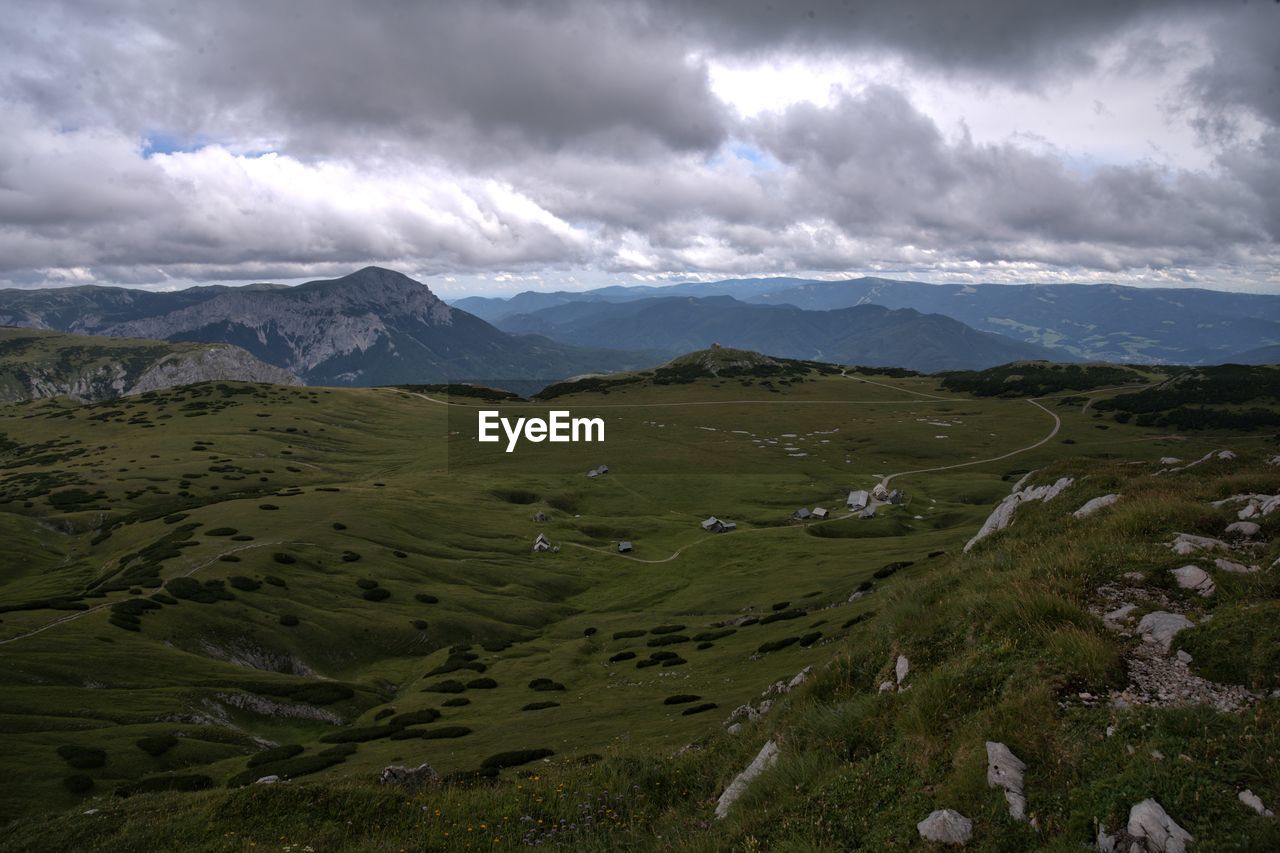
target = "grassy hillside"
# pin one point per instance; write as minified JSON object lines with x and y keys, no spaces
{"x":207,"y":574}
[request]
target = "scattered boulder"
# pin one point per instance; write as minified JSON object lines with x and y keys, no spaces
{"x":1244,"y":529}
{"x":1250,"y":799}
{"x":1194,"y":578}
{"x":1151,"y":825}
{"x":886,"y":686}
{"x":412,"y":778}
{"x":1235,"y":568}
{"x":1169,"y":460}
{"x":267,"y":780}
{"x":1120,"y":614}
{"x":1159,"y":626}
{"x":1094,"y":505}
{"x":1002,"y":516}
{"x":1005,"y":770}
{"x":1187,"y":543}
{"x":765,"y":758}
{"x":901,"y":668}
{"x":946,"y":826}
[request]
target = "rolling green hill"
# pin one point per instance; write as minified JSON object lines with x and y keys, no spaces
{"x":226,"y":581}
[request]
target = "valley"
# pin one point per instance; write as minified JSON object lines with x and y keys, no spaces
{"x":229,"y":567}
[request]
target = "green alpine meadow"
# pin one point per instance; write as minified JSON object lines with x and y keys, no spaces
{"x":240,"y":615}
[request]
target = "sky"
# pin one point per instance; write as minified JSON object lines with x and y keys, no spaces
{"x":495,"y":146}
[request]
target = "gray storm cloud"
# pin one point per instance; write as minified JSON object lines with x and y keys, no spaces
{"x":147,"y":142}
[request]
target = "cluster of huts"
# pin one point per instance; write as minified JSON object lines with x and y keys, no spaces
{"x":818,"y":513}
{"x":718,"y":525}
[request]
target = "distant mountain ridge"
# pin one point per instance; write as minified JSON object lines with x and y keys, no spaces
{"x":1100,"y":322}
{"x":372,"y":327}
{"x":36,"y":364}
{"x":867,"y":334}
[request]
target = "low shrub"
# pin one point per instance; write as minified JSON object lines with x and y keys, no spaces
{"x":376,"y":594}
{"x":383,"y":714}
{"x":588,"y":632}
{"x":627,"y":635}
{"x":341,"y":750}
{"x":420,"y":624}
{"x":290,"y":768}
{"x":82,"y":757}
{"x":539,"y":706}
{"x":621,"y":656}
{"x":446,"y":686}
{"x":268,"y":507}
{"x":666,"y":629}
{"x":367,"y":583}
{"x":667,"y":640}
{"x":243,"y":583}
{"x":698,"y":709}
{"x":681,"y":699}
{"x":284,"y":559}
{"x":156,"y":784}
{"x":413,"y":718}
{"x":275,"y":581}
{"x":782,"y":615}
{"x":279,"y":753}
{"x":543,"y":684}
{"x":426,"y":598}
{"x":350,"y":556}
{"x":481,"y":684}
{"x":289,"y":620}
{"x":221,"y":531}
{"x":456,"y":702}
{"x":676,"y":661}
{"x":708,"y":636}
{"x":810,"y":638}
{"x":156,"y":745}
{"x":781,"y":605}
{"x":321,"y":693}
{"x":702,"y":647}
{"x":515,"y":758}
{"x":775,"y":645}
{"x":359,"y":735}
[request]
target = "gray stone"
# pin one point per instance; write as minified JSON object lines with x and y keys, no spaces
{"x":1235,"y":568}
{"x":1002,"y":516}
{"x":408,"y":777}
{"x":764,"y":759}
{"x":1161,"y":626}
{"x":1187,"y":543}
{"x":1250,"y":799}
{"x":267,"y":780}
{"x":1194,"y":578}
{"x":1096,"y":504}
{"x":1243,"y":528}
{"x":1149,"y":822}
{"x":946,"y":826}
{"x":1005,"y":770}
{"x":901,"y":668}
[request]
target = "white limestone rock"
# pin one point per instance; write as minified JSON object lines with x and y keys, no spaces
{"x":1250,"y":799}
{"x":1002,"y":516}
{"x":1005,"y":770}
{"x":946,"y":826}
{"x":1160,"y":627}
{"x":1090,"y":507}
{"x":1194,"y":578}
{"x":765,"y":758}
{"x":1188,"y":543}
{"x":1149,"y":822}
{"x":1226,"y":565}
{"x":901,"y":668}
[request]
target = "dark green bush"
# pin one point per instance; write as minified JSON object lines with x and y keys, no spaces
{"x":666,"y":629}
{"x":321,"y":693}
{"x":456,"y":702}
{"x":279,"y":753}
{"x":481,"y":684}
{"x":243,"y":583}
{"x":284,"y":559}
{"x":221,"y":531}
{"x":359,"y":735}
{"x":627,"y":635}
{"x":426,"y":598}
{"x":621,"y":656}
{"x":698,"y":709}
{"x":446,"y":686}
{"x":708,"y":636}
{"x":420,"y":624}
{"x":775,"y":645}
{"x":156,"y":784}
{"x":543,"y":684}
{"x":810,"y":638}
{"x":680,"y":699}
{"x":367,"y":583}
{"x":341,"y":750}
{"x":289,"y":620}
{"x":290,"y":768}
{"x":156,"y":745}
{"x":350,"y":556}
{"x":413,"y":718}
{"x":782,"y":615}
{"x":377,"y":594}
{"x":539,"y":706}
{"x":667,"y":640}
{"x":82,"y":757}
{"x":515,"y":758}
{"x":588,"y":632}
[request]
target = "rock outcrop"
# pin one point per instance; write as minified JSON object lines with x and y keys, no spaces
{"x":1092,"y":506}
{"x":1005,"y":770}
{"x":410,"y":778}
{"x":946,"y":826}
{"x":1002,"y":516}
{"x":765,"y":758}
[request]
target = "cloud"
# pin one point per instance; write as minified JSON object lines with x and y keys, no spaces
{"x":150,"y":143}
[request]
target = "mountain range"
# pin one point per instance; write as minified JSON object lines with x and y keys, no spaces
{"x":372,"y":327}
{"x":1100,"y":322}
{"x":865,"y":334}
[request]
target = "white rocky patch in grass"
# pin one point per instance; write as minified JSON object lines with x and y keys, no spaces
{"x":1151,"y":824}
{"x":1002,"y":516}
{"x":1253,"y":801}
{"x":1188,"y":543}
{"x":1245,"y":529}
{"x":765,"y":758}
{"x":946,"y":826}
{"x":1194,"y":578}
{"x":1235,"y":568}
{"x":1092,"y":506}
{"x":1005,"y":770}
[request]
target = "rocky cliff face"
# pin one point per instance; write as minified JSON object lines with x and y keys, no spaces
{"x":37,"y":364}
